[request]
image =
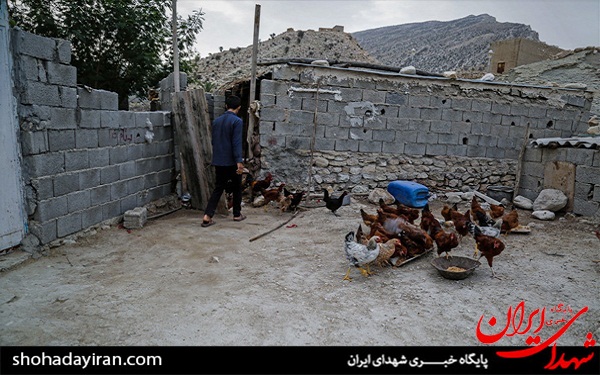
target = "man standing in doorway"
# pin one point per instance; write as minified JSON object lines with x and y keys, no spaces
{"x":227,"y":159}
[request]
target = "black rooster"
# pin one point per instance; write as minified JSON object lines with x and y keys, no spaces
{"x":333,"y":204}
{"x":296,"y":198}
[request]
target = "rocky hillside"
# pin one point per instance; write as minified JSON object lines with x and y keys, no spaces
{"x":435,"y":46}
{"x":220,"y":69}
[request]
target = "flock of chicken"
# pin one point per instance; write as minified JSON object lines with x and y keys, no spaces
{"x":393,"y":233}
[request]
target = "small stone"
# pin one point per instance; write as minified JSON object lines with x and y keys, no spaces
{"x":543,"y":215}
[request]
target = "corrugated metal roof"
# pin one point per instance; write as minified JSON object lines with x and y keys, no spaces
{"x":578,"y":142}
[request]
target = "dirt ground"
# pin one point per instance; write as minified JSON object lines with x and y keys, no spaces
{"x":175,"y":283}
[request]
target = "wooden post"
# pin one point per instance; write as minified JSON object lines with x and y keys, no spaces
{"x":193,"y":135}
{"x":312,"y":139}
{"x":520,"y":162}
{"x":252,"y":117}
{"x":175,"y":48}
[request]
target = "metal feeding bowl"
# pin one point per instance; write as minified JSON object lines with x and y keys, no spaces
{"x":455,"y":267}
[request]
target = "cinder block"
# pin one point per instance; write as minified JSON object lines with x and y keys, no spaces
{"x":361,"y":134}
{"x":109,"y":100}
{"x":163,"y":177}
{"x":135,"y":151}
{"x":68,"y":97}
{"x":482,"y":128}
{"x":476,"y":151}
{"x":576,"y":101}
{"x":322,"y":144}
{"x":494,"y":153}
{"x":61,"y":140}
{"x":109,"y":174}
{"x":441,"y":102}
{"x":45,"y":232}
{"x":111,"y":210}
{"x":451,"y":115}
{"x":511,"y":120}
{"x":491,"y":118}
{"x":369,"y":146}
{"x":91,"y":217}
{"x":419,"y":101}
{"x":40,"y":93}
{"x":310,"y":104}
{"x":533,"y":154}
{"x":373,"y":96}
{"x":76,"y":160}
{"x":392,"y":147}
{"x":86,"y":138}
{"x":537,"y":112}
{"x":415,"y":148}
{"x":151,"y":179}
{"x":384,"y":135}
{"x":519,"y":110}
{"x":512,"y":143}
{"x":61,"y":74}
{"x":100,"y":195}
{"x":89,"y":118}
{"x":34,"y":45}
{"x":118,"y":155}
{"x":500,"y":108}
{"x":488,"y":141}
{"x":582,"y":156}
{"x":462,"y":104}
{"x":431,"y":114}
{"x":407,"y":136}
{"x":98,"y":157}
{"x":435,"y":149}
{"x":88,"y":98}
{"x":409,"y":112}
{"x":66,"y":183}
{"x":51,"y":209}
{"x":129,"y":202}
{"x":127,"y":170}
{"x":585,"y":207}
{"x":456,"y":150}
{"x":78,"y":201}
{"x":473,"y":117}
{"x":89,"y":178}
{"x":273,"y":114}
{"x":118,"y":190}
{"x":447,"y":138}
{"x":126,"y":119}
{"x":69,"y":224}
{"x":346,"y":145}
{"x":481,"y":105}
{"x":34,"y":142}
{"x":136,"y":185}
{"x":62,"y":118}
{"x":108,"y":137}
{"x":351,"y":94}
{"x":587,"y":174}
{"x":63,"y":48}
{"x":426,"y":137}
{"x":146,"y":166}
{"x":44,"y":188}
{"x":32,"y":69}
{"x":109,"y":119}
{"x":45,"y":164}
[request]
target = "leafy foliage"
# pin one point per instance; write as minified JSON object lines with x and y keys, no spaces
{"x":120,"y":46}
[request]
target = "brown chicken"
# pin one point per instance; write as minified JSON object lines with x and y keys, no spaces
{"x":447,"y":211}
{"x":428,"y":221}
{"x":510,"y":221}
{"x":257,"y":186}
{"x":360,"y":235}
{"x":411,"y":214}
{"x":367,"y":218}
{"x":273,"y":195}
{"x":489,"y":246}
{"x":461,"y":222}
{"x":387,"y":250}
{"x":407,"y":232}
{"x":479,"y":214}
{"x":496,"y":211}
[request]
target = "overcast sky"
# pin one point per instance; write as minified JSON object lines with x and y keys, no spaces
{"x":567,"y":24}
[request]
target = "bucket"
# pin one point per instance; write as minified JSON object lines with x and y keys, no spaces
{"x":500,"y":192}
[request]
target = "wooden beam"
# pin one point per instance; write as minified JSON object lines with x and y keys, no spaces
{"x":251,"y":114}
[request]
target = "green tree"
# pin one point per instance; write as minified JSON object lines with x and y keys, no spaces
{"x":123,"y":46}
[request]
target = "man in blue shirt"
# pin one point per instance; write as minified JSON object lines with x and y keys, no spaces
{"x":227,"y":159}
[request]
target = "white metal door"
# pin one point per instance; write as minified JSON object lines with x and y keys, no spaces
{"x":12,"y":218}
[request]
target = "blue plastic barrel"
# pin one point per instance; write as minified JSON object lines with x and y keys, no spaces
{"x":409,"y":193}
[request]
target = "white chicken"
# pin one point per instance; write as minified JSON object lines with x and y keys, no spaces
{"x":360,"y":255}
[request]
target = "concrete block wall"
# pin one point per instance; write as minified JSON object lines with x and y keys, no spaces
{"x":587,"y":175}
{"x":84,"y":161}
{"x":392,"y":114}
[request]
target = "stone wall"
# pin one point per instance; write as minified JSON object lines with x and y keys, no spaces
{"x":84,"y":161}
{"x":374,"y":127}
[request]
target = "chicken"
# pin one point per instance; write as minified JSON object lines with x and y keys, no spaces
{"x":445,"y":241}
{"x":360,"y":255}
{"x":386,"y":251}
{"x":260,"y":185}
{"x":496,"y":211}
{"x":333,"y":204}
{"x":489,"y":246}
{"x":367,"y":218}
{"x":428,"y":221}
{"x":447,"y":211}
{"x":285,"y":202}
{"x":479,"y":214}
{"x":273,"y":195}
{"x":296,"y":198}
{"x":408,"y":233}
{"x":360,"y":235}
{"x":460,"y":222}
{"x":411,"y":214}
{"x":510,"y":221}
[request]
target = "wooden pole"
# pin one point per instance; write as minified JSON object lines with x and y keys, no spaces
{"x":175,"y":48}
{"x":312,"y":140}
{"x":252,"y":117}
{"x":520,"y":162}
